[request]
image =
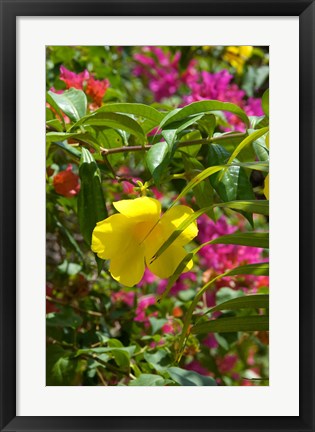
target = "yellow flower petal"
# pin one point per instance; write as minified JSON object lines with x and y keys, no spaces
{"x":128,"y":267}
{"x":166,"y":264}
{"x":142,"y":209}
{"x":172,"y":220}
{"x":246,"y":50}
{"x":266,"y":188}
{"x":112,"y":236}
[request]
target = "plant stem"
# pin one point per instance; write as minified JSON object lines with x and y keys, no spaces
{"x":124,"y":149}
{"x":186,"y":330}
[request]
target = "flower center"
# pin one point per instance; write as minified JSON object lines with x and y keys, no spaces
{"x":142,"y":230}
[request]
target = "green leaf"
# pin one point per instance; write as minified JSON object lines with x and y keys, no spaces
{"x":66,"y":318}
{"x":254,"y":301}
{"x":54,"y":124}
{"x":233,"y":324}
{"x":185,"y":377}
{"x":255,"y":206}
{"x":69,"y":236}
{"x":148,"y":380}
{"x":171,"y":131}
{"x":265,"y":102}
{"x":254,"y":239}
{"x":68,"y":148}
{"x":203,"y":191}
{"x":91,"y":204}
{"x":157,"y":159}
{"x":233,"y":184}
{"x":225,"y":293}
{"x":56,"y":108}
{"x":248,"y":140}
{"x":207,"y":125}
{"x":69,"y":268}
{"x":261,"y":149}
{"x":57,"y":136}
{"x":60,"y":368}
{"x":101,"y":350}
{"x":203,"y":107}
{"x":112,"y":120}
{"x":157,"y":324}
{"x":72,"y":102}
{"x":159,"y":360}
{"x":137,"y":109}
{"x":212,"y":170}
{"x":258,"y":269}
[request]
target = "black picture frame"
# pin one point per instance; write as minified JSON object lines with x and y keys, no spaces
{"x":10,"y":9}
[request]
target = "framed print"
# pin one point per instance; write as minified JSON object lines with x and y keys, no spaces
{"x":145,"y":218}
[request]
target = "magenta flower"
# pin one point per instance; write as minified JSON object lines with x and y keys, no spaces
{"x":72,"y":79}
{"x":162,"y":71}
{"x":142,"y":314}
{"x":182,"y":283}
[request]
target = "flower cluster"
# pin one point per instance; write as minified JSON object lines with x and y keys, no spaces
{"x":66,"y":182}
{"x":165,"y":79}
{"x":218,"y":258}
{"x":219,"y":86}
{"x":237,"y":56}
{"x":162,"y":71}
{"x":96,"y":89}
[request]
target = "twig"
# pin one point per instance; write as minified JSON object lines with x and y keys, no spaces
{"x":123,"y":149}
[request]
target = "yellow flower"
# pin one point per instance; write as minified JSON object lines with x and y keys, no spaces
{"x":131,"y":238}
{"x":266,"y":187}
{"x":237,"y":56}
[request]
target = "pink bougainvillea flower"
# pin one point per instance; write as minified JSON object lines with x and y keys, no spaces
{"x":142,"y":314}
{"x":162,"y":71}
{"x":66,"y":183}
{"x":96,"y":89}
{"x":131,"y":238}
{"x":72,"y":79}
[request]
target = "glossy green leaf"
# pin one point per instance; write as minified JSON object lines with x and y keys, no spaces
{"x":55,"y":107}
{"x":254,"y":301}
{"x":68,"y":148}
{"x":91,"y":204}
{"x":257,"y":269}
{"x":148,"y":380}
{"x":61,"y":136}
{"x":157,"y":159}
{"x":248,"y":140}
{"x":203,"y":191}
{"x":233,"y":324}
{"x":207,"y":125}
{"x":72,"y":102}
{"x":159,"y":360}
{"x":101,"y":350}
{"x":212,"y":170}
{"x":261,"y":149}
{"x":114,"y":121}
{"x":253,"y":239}
{"x":185,"y":377}
{"x":171,"y":131}
{"x":233,"y":184}
{"x":265,"y":102}
{"x":137,"y":109}
{"x":203,"y":107}
{"x":54,"y":124}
